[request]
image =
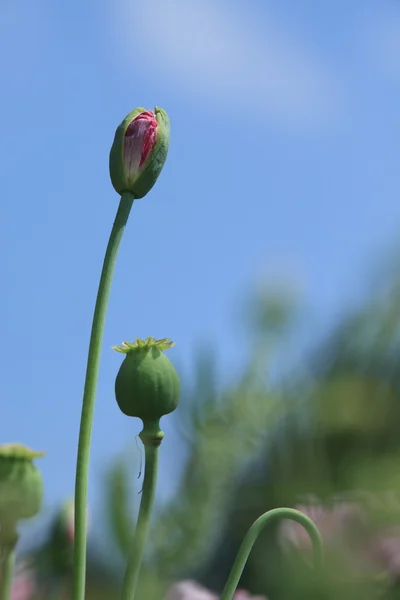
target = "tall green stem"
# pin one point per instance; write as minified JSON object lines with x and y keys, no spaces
{"x":7,"y":576}
{"x":89,"y":395}
{"x":151,"y":437}
{"x":254,"y":532}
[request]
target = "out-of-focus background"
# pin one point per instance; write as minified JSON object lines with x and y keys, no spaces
{"x":268,"y":250}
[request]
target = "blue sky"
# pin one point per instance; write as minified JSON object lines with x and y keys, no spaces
{"x":283,"y":163}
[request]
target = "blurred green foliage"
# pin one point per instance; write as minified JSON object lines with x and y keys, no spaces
{"x":329,"y":430}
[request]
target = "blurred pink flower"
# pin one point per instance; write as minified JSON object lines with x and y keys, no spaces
{"x":67,"y":519}
{"x":335,"y":523}
{"x":24,"y":582}
{"x":191,"y":590}
{"x":384,"y":551}
{"x":70,"y":516}
{"x":244,"y":595}
{"x":347,"y":528}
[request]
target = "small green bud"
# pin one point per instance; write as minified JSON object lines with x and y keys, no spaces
{"x":139,"y":151}
{"x":21,"y":489}
{"x":147,"y":385}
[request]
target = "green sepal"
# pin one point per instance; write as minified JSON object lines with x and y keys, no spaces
{"x":117,"y":169}
{"x":152,"y":168}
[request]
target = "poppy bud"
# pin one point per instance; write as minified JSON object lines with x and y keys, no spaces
{"x":21,"y":489}
{"x":139,"y":151}
{"x":147,"y":385}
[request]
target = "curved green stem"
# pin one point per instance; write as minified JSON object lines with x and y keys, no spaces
{"x":254,"y":532}
{"x":7,"y":576}
{"x":89,"y":395}
{"x":151,"y":437}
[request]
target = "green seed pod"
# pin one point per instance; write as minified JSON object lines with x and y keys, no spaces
{"x":147,"y":385}
{"x":139,"y":151}
{"x":21,"y":489}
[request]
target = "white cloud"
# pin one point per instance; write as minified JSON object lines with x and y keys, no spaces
{"x":222,"y":56}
